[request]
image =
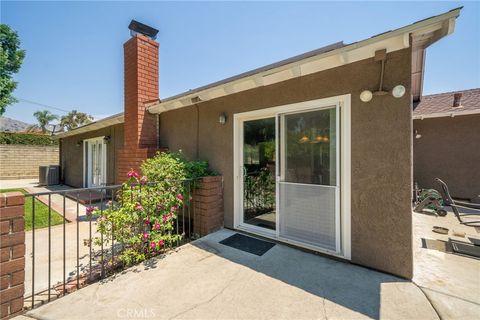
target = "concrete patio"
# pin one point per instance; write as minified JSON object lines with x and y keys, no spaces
{"x":207,"y":280}
{"x":450,"y":281}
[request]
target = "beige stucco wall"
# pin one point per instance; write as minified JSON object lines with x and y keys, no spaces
{"x":71,"y":159}
{"x":381,"y":150}
{"x":22,"y":161}
{"x":450,"y":150}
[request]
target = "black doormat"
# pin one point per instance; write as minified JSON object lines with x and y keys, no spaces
{"x":248,"y":244}
{"x":465,"y":248}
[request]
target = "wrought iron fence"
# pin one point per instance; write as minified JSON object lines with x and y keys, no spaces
{"x":100,"y":260}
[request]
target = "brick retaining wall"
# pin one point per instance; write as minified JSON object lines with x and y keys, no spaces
{"x":22,"y":162}
{"x":12,"y":254}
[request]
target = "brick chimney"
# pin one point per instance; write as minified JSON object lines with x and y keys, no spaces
{"x":457,"y":100}
{"x":140,"y":87}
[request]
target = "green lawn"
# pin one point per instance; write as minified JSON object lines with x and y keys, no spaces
{"x":41,"y":212}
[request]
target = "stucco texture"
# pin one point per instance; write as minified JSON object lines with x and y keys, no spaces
{"x":71,"y":155}
{"x":449,"y":149}
{"x":381,"y":224}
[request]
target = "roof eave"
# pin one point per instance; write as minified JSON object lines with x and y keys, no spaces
{"x":419,"y":35}
{"x":97,"y":125}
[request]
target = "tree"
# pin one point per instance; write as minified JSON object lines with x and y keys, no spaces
{"x":44,"y":118}
{"x":11,"y":58}
{"x":75,"y":119}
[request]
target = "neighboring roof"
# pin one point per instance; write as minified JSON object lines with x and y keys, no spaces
{"x":96,"y":125}
{"x":441,"y":105}
{"x":418,"y":35}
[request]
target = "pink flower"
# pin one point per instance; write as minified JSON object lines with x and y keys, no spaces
{"x":143,"y":180}
{"x":159,"y":206}
{"x":138,"y":207}
{"x":146,"y":221}
{"x":161,"y":243}
{"x":109,"y":203}
{"x":153,"y":244}
{"x":167,"y":217}
{"x":157,"y":226}
{"x":174,"y":208}
{"x":179,"y":197}
{"x":89,"y":210}
{"x":145,"y":236}
{"x":132,"y":174}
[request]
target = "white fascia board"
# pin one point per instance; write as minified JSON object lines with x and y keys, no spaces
{"x":391,"y":41}
{"x":446,"y":114}
{"x":100,"y":124}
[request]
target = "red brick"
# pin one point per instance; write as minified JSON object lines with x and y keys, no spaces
{"x":12,"y":239}
{"x":5,"y":308}
{"x":17,"y":278}
{"x":18,"y":251}
{"x":4,"y":227}
{"x":3,"y":199}
{"x":12,"y":266}
{"x":12,"y":293}
{"x":4,"y":281}
{"x":16,"y":305}
{"x":5,"y":254}
{"x":15,"y":198}
{"x":18,"y":224}
{"x":11,"y":212}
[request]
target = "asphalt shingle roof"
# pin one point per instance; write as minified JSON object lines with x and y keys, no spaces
{"x":443,"y":103}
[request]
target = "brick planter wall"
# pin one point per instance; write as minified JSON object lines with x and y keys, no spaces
{"x":12,"y":253}
{"x":208,"y":205}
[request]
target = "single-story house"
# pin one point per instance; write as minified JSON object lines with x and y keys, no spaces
{"x":329,"y":130}
{"x":446,"y":143}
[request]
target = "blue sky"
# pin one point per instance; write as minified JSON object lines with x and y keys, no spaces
{"x":75,"y":56}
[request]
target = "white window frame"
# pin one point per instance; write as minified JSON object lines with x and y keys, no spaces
{"x":343,"y":103}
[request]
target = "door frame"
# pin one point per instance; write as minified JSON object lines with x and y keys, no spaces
{"x":343,"y":104}
{"x":87,"y":160}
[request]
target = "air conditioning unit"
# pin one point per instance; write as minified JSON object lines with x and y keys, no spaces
{"x":48,"y":175}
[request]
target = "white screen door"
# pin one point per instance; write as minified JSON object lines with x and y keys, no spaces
{"x":308,"y":177}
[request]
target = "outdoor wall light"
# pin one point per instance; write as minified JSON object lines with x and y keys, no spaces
{"x":417,"y":134}
{"x":366,"y":95}
{"x":79,"y":143}
{"x":222,"y":118}
{"x":107,"y":139}
{"x":398,"y":91}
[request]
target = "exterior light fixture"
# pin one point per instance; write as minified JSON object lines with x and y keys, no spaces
{"x":107,"y":139}
{"x":398,"y":91}
{"x":222,"y":118}
{"x":417,"y":134}
{"x":79,"y":143}
{"x":366,"y":95}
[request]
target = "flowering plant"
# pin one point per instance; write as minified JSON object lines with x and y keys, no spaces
{"x":142,"y":219}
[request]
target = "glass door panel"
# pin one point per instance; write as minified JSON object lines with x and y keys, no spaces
{"x":308,"y":178}
{"x":259,"y":165}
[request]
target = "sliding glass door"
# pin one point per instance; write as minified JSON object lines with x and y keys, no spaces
{"x":308,"y":180}
{"x":289,"y":174}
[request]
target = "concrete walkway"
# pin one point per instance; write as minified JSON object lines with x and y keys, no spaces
{"x":207,"y":280}
{"x":450,"y":281}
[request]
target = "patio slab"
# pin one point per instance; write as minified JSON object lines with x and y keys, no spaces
{"x":207,"y":280}
{"x":450,"y":281}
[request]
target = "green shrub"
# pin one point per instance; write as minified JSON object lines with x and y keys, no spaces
{"x":27,"y":139}
{"x":144,"y":215}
